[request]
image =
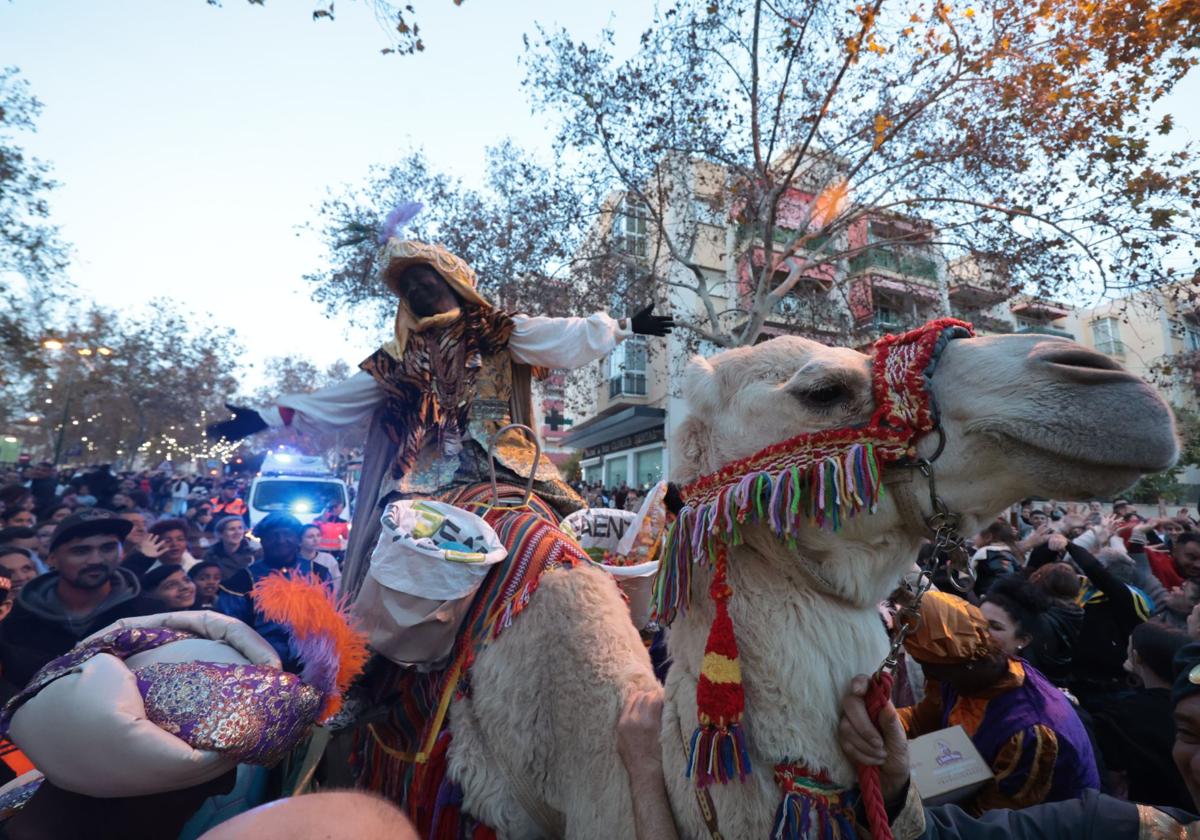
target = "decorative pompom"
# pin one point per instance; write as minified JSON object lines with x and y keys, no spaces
{"x":400,"y":216}
{"x":332,"y":653}
{"x":718,"y":749}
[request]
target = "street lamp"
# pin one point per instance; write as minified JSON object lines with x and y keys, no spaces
{"x":84,"y":352}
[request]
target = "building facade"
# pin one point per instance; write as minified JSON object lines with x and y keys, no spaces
{"x":896,"y":277}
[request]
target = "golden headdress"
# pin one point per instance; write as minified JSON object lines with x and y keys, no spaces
{"x":397,"y":254}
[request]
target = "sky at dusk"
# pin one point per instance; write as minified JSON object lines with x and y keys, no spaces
{"x":192,"y":141}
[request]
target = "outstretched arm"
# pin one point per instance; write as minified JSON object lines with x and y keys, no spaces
{"x":573,"y":342}
{"x":343,"y":404}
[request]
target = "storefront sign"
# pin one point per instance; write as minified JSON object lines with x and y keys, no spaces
{"x":643,"y":438}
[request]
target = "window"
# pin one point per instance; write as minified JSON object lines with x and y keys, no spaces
{"x":592,"y":473}
{"x":627,"y":368}
{"x":616,"y":471}
{"x":649,"y":467}
{"x":632,"y":227}
{"x":1106,"y":336}
{"x":1191,"y":339}
{"x":886,"y":318}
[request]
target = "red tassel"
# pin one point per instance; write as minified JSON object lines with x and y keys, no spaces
{"x":718,"y":747}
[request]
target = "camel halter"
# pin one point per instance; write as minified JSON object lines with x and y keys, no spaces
{"x":816,"y":478}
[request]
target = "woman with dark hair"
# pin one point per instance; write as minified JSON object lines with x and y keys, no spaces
{"x":1026,"y":622}
{"x":1135,"y":730}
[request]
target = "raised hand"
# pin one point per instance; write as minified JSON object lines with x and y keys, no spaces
{"x":152,"y":546}
{"x":245,"y":422}
{"x":646,"y":322}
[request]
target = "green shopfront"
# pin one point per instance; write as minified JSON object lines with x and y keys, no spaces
{"x":626,"y":446}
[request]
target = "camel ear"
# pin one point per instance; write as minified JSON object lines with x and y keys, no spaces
{"x":701,"y":388}
{"x":689,"y":450}
{"x":690,"y":441}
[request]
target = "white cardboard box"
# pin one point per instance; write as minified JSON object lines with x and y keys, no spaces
{"x":946,"y":767}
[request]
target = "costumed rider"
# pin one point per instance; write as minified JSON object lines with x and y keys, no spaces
{"x":456,"y":370}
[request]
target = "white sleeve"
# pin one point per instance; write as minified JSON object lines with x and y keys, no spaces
{"x":564,"y":342}
{"x":1087,"y":541}
{"x":345,"y":404}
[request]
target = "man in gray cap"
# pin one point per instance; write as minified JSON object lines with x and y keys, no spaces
{"x":87,"y":590}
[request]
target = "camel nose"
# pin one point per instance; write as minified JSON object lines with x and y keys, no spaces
{"x":1067,"y":361}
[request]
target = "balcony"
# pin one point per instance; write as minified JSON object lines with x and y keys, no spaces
{"x":1114,"y":347}
{"x":968,"y":294}
{"x":884,"y":259}
{"x":986,"y":323}
{"x":627,"y":385}
{"x":820,"y":277}
{"x":782,"y":235}
{"x":1039,"y":308}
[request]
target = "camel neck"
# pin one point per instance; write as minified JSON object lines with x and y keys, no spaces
{"x":799,"y":648}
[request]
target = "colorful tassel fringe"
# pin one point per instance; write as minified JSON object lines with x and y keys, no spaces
{"x":825,"y":492}
{"x":717,"y":754}
{"x":812,"y":807}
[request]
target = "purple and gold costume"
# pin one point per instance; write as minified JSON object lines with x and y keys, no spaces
{"x":1024,"y":728}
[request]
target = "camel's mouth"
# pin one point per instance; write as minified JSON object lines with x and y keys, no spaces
{"x":1105,"y":469}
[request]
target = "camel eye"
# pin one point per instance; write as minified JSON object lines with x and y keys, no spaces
{"x":825,"y":395}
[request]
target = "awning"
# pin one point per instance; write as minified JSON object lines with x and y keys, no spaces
{"x":612,"y":423}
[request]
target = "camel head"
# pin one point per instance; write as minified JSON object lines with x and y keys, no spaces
{"x":1022,"y":414}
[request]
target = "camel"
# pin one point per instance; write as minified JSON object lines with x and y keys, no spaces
{"x":1022,"y":415}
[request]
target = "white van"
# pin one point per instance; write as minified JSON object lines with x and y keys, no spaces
{"x":297,"y":484}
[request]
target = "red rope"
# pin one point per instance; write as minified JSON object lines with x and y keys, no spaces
{"x":879,"y":692}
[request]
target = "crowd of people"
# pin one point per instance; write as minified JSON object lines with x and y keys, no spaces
{"x":1077,"y":614}
{"x":80,"y":551}
{"x":622,"y":497}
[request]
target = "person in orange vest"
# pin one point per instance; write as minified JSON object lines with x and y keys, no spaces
{"x":227,"y":503}
{"x":335,"y":531}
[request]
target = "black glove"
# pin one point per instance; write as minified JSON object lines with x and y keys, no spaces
{"x":673,"y":499}
{"x":647,"y":323}
{"x":245,"y":422}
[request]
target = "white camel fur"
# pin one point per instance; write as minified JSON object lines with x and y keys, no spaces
{"x":1023,"y":415}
